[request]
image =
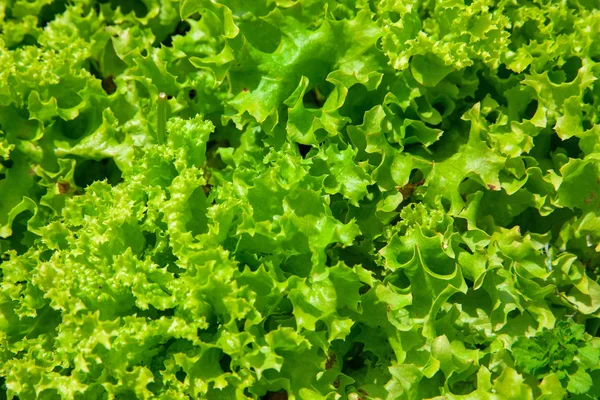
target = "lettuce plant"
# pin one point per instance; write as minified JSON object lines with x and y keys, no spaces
{"x":285,"y":199}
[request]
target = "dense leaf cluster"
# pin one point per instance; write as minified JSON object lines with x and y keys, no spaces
{"x":354,"y":199}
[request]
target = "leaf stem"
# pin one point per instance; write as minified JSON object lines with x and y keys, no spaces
{"x":161,"y":122}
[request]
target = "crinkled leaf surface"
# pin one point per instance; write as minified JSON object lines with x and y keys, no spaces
{"x":341,"y":199}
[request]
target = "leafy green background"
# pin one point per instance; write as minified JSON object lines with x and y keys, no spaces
{"x":355,"y":200}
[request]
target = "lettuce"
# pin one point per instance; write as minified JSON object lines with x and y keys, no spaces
{"x":322,"y":199}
